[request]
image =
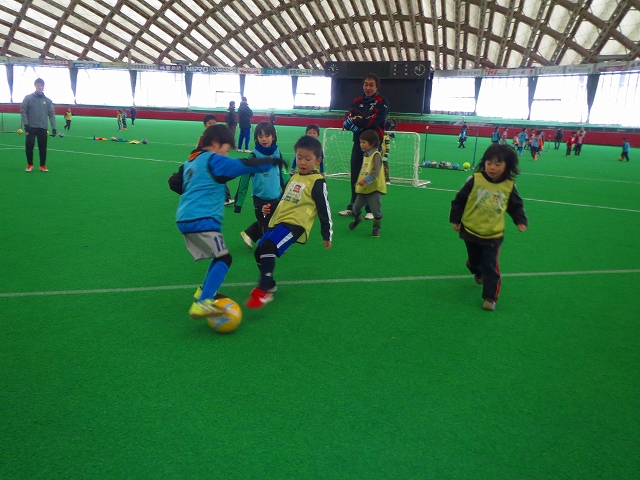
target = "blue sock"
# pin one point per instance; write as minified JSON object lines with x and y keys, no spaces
{"x":215,"y":277}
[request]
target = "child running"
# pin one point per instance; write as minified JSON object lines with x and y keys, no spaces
{"x":267,"y":187}
{"x":371,"y":184}
{"x":477,"y":213}
{"x":305,"y":197}
{"x":312,"y":130}
{"x":199,"y":216}
{"x":67,"y":118}
{"x":626,"y":148}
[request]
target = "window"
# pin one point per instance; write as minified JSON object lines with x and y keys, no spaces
{"x":104,"y":87}
{"x":313,"y":92}
{"x":212,"y":91}
{"x":505,"y":97}
{"x":453,"y":94}
{"x":57,"y":83}
{"x":560,"y":99}
{"x":269,"y":91}
{"x":161,"y":89}
{"x":617,"y":100}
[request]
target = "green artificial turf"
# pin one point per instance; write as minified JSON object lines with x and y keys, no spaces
{"x":374,"y":361}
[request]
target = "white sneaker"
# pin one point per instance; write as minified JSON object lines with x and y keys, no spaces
{"x":346,"y":213}
{"x":368,"y":216}
{"x":231,"y":201}
{"x":246,"y":239}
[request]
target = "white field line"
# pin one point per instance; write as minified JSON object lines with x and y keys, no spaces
{"x":328,"y":281}
{"x":400,"y":185}
{"x":580,"y":178}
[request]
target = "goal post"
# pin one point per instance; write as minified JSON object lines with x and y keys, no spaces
{"x":404,"y":155}
{"x":9,"y":122}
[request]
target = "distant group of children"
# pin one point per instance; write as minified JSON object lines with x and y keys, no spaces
{"x":285,"y":211}
{"x":121,"y":117}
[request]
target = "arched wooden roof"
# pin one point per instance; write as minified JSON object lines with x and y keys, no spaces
{"x":307,"y":33}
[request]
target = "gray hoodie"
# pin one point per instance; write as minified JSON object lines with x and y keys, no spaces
{"x":35,"y":109}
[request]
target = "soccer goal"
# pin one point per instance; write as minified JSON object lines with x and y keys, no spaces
{"x":9,"y":122}
{"x":404,"y":155}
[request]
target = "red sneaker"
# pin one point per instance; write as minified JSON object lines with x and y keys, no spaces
{"x":258,"y":298}
{"x":29,"y":168}
{"x":44,"y":169}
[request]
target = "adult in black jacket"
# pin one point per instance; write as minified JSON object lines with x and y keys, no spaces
{"x":244,"y":117}
{"x":367,"y":112}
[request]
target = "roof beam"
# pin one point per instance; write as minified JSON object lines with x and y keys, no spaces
{"x":535,"y":36}
{"x":435,"y":26}
{"x":569,"y":31}
{"x":509,"y":26}
{"x":415,"y":30}
{"x":14,"y":27}
{"x":480,"y":33}
{"x":456,"y":42}
{"x":618,"y":14}
{"x":373,"y":30}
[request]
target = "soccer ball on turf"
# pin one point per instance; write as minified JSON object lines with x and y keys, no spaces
{"x":144,"y":140}
{"x":229,"y":320}
{"x":619,"y":159}
{"x":455,"y":166}
{"x":61,"y":135}
{"x":19,"y":131}
{"x":466,"y":165}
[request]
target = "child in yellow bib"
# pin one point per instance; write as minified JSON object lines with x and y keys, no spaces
{"x":477,"y":213}
{"x":371,"y":183}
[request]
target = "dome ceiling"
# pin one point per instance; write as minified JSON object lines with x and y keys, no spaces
{"x":305,"y":34}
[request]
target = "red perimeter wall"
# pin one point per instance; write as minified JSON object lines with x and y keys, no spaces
{"x":592,"y":136}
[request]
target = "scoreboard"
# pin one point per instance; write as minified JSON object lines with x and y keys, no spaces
{"x":407,"y":70}
{"x":407,"y":85}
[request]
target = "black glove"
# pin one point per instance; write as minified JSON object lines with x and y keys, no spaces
{"x":53,"y":132}
{"x":27,"y":129}
{"x":237,"y":209}
{"x":280,"y":163}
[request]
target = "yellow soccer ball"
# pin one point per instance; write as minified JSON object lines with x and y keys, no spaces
{"x":229,"y":321}
{"x":20,"y":131}
{"x":466,"y":165}
{"x":620,"y":159}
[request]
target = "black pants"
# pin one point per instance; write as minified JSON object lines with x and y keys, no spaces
{"x":67,"y":125}
{"x":483,"y":261}
{"x":577,"y":149}
{"x":257,"y":228}
{"x":41,"y":135}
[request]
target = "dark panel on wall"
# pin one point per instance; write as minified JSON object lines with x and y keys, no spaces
{"x":405,"y":96}
{"x":405,"y":84}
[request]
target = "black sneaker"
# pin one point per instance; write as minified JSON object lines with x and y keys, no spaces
{"x":375,"y":232}
{"x":478,"y":279}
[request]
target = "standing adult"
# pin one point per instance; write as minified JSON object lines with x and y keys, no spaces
{"x":367,"y":112}
{"x":132,"y":114}
{"x":230,"y":119}
{"x":557,"y":140}
{"x":244,"y":119}
{"x":35,"y":110}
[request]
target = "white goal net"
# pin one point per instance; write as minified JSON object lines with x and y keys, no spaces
{"x":404,"y":155}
